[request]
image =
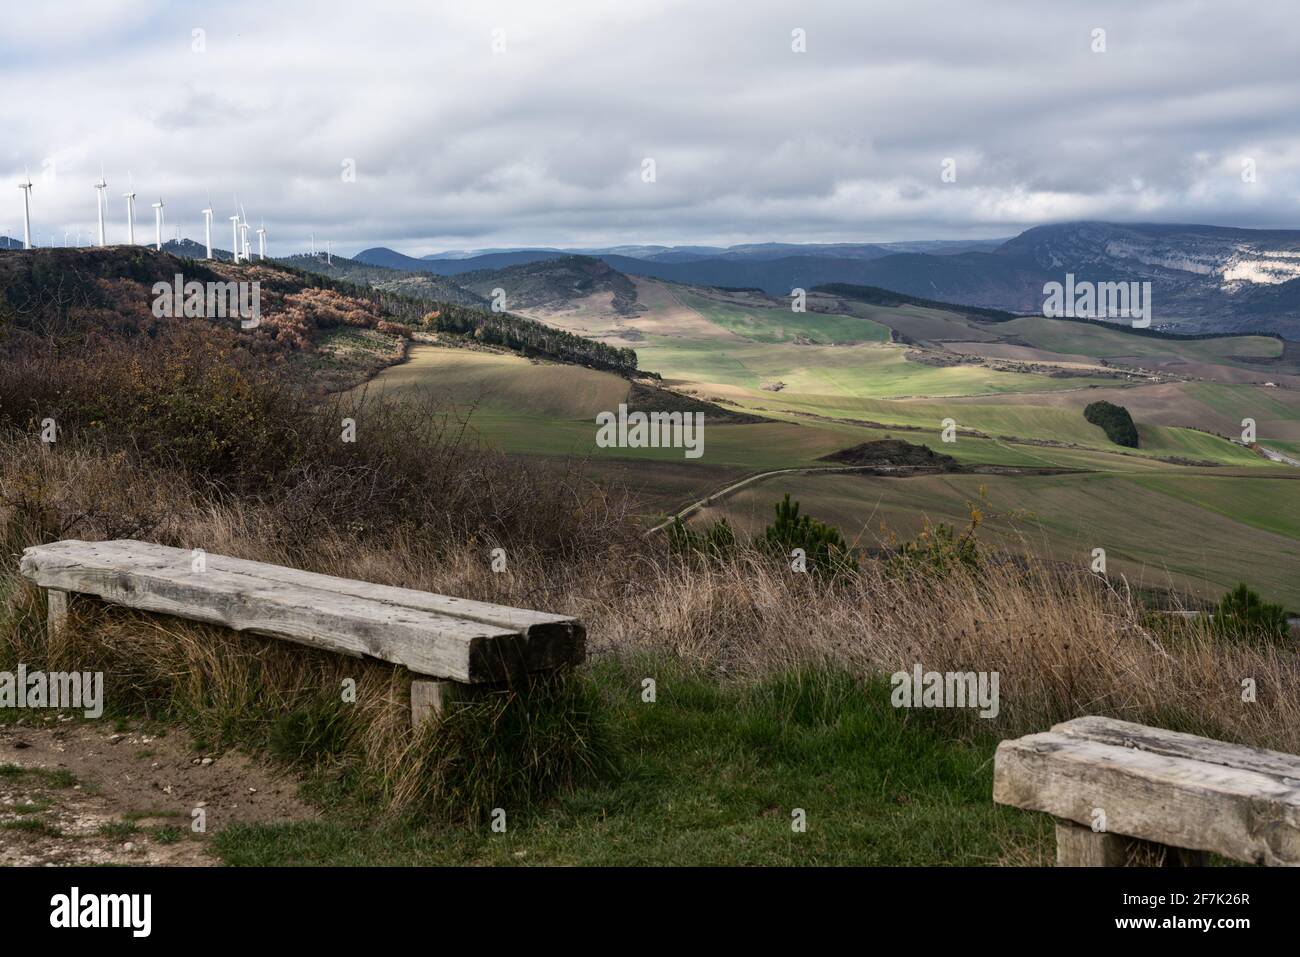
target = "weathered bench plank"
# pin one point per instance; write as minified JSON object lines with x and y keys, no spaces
{"x":551,"y":641}
{"x":401,"y":626}
{"x":1177,"y":744}
{"x":1160,"y":786}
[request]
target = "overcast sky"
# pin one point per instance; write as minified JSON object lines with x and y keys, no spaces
{"x":544,"y":142}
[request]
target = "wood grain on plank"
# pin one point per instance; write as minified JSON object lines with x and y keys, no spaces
{"x":550,"y":641}
{"x":427,"y":642}
{"x":1239,"y":812}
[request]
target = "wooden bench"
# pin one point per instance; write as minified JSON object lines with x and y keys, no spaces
{"x":443,"y":640}
{"x":1167,"y":798}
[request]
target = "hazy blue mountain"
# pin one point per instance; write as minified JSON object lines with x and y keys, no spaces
{"x":390,"y":259}
{"x":554,"y":283}
{"x":1203,"y":278}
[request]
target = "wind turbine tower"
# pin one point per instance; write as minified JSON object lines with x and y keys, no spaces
{"x":130,"y":215}
{"x":243,"y":232}
{"x":99,"y":204}
{"x":26,"y":187}
{"x":157,"y":222}
{"x":328,"y":261}
{"x":234,"y":231}
{"x":207,"y":228}
{"x":261,"y":241}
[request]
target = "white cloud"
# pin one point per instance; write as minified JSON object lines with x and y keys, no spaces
{"x":456,"y":145}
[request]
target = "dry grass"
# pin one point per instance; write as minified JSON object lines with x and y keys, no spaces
{"x":1063,"y":645}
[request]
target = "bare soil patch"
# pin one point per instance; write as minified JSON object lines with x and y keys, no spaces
{"x":82,"y":793}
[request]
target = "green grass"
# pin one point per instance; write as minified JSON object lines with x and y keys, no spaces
{"x":167,"y":834}
{"x":1082,"y":339}
{"x":872,"y":370}
{"x":501,"y":382}
{"x":1194,"y":529}
{"x":1272,"y":505}
{"x":784,"y":325}
{"x":33,"y":825}
{"x":711,"y":774}
{"x":57,"y":778}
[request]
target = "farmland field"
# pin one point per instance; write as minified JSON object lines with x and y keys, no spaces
{"x":832,"y":378}
{"x":1246,"y":529}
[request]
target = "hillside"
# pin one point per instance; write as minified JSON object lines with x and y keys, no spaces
{"x":306,"y":318}
{"x":418,"y":285}
{"x":554,"y":284}
{"x":381,"y":256}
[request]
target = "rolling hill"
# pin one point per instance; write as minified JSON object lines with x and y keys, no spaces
{"x":388,"y":258}
{"x":1203,"y":278}
{"x":554,"y":284}
{"x":419,"y":285}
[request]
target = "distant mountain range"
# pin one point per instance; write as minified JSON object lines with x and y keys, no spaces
{"x":1203,"y":278}
{"x":419,"y":285}
{"x":389,"y":259}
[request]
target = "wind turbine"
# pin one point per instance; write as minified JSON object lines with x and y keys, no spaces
{"x":26,"y":187}
{"x":234,"y":231}
{"x":328,"y":261}
{"x":207,"y":226}
{"x":99,"y":204}
{"x":157,"y":222}
{"x":313,"y":244}
{"x":243,"y":232}
{"x":130,"y":211}
{"x":261,"y":240}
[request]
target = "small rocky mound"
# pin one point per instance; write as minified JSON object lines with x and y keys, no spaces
{"x":894,"y":452}
{"x":646,"y":398}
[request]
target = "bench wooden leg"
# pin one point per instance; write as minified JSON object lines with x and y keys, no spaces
{"x":56,"y":622}
{"x":1078,"y":846}
{"x":428,"y":699}
{"x":56,"y":604}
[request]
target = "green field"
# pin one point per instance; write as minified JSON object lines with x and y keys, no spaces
{"x":1092,"y":340}
{"x":827,"y":381}
{"x":1188,"y":529}
{"x":494,"y":381}
{"x":879,"y":370}
{"x":784,"y":325}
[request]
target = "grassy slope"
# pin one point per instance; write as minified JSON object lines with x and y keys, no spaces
{"x":1083,"y":339}
{"x":712,"y":776}
{"x":784,"y":325}
{"x":1155,"y":518}
{"x":504,"y":382}
{"x":1202,"y":530}
{"x":876,"y":370}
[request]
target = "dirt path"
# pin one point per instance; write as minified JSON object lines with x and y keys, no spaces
{"x":83,"y":793}
{"x":734,"y":486}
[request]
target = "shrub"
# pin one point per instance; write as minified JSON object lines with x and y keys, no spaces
{"x":939,"y":548}
{"x":824,"y":547}
{"x":1115,"y":421}
{"x":717,"y":541}
{"x":1242,"y":615}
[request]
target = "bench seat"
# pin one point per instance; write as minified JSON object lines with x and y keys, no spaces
{"x":435,"y":635}
{"x":1171,"y":789}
